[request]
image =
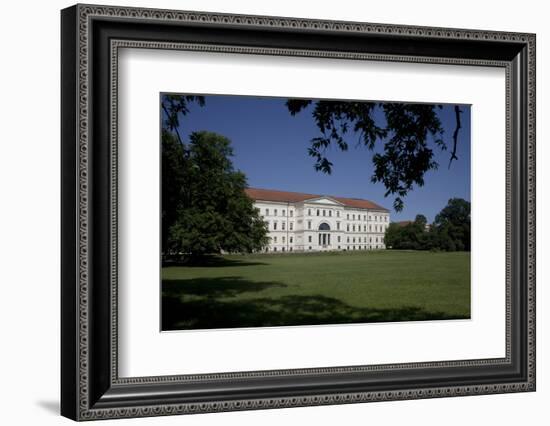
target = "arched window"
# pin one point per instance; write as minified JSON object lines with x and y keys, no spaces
{"x":324,"y":227}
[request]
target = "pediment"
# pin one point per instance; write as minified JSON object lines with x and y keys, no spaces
{"x":323,"y":201}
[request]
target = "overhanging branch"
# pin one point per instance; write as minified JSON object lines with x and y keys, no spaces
{"x":455,"y":135}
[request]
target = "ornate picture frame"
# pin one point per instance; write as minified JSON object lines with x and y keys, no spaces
{"x":91,"y":37}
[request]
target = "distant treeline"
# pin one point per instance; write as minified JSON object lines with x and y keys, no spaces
{"x":450,"y":230}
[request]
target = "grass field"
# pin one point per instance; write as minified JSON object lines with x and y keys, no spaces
{"x":316,"y":288}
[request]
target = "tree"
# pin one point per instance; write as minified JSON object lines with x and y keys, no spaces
{"x":393,"y":237}
{"x":173,"y":160}
{"x":453,"y":224}
{"x":449,"y":232}
{"x":408,"y":131}
{"x":174,"y":106}
{"x":213,"y":214}
{"x":421,"y":221}
{"x":173,"y":178}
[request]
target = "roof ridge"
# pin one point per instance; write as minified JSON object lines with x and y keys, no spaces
{"x":371,"y":204}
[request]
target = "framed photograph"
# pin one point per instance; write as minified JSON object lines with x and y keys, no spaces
{"x":263,"y":212}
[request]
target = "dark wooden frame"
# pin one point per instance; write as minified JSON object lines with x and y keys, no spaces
{"x":90,"y":386}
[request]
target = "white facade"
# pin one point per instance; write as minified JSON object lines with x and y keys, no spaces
{"x":322,"y":224}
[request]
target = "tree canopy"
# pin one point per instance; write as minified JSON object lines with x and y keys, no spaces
{"x":449,"y":232}
{"x":409,"y":134}
{"x":174,"y":106}
{"x":205,"y":209}
{"x":453,"y":224}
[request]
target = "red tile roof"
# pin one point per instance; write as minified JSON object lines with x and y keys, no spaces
{"x":294,"y":197}
{"x":404,"y":223}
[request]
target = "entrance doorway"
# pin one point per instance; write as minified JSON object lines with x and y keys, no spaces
{"x":324,"y":236}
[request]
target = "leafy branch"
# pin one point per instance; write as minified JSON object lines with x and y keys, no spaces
{"x":406,"y":135}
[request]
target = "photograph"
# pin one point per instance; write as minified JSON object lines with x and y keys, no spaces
{"x":279,"y":211}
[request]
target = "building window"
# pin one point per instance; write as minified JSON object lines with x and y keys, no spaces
{"x":347,"y":216}
{"x":309,"y":224}
{"x":347,"y":227}
{"x":309,"y":239}
{"x":339,"y":238}
{"x":370,"y":239}
{"x":376,"y":239}
{"x":352,"y":217}
{"x":337,"y":214}
{"x":267,"y":212}
{"x":283,"y":249}
{"x":283,"y":240}
{"x":309,"y":212}
{"x":310,"y":247}
{"x":284,"y":212}
{"x":365,"y":217}
{"x":274,"y":239}
{"x":338,"y":247}
{"x":324,"y":212}
{"x":370,"y":227}
{"x":274,"y":248}
{"x":337,"y":226}
{"x":290,"y":240}
{"x":348,"y":240}
{"x":353,"y":228}
{"x":364,"y":228}
{"x":291,"y":213}
{"x":283,"y":225}
{"x":330,"y":213}
{"x":275,"y":212}
{"x":324,"y":227}
{"x":318,"y":212}
{"x":290,"y":249}
{"x":354,"y":240}
{"x":291,"y":225}
{"x":274,"y":226}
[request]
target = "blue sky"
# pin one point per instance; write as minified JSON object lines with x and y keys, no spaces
{"x":270,"y":147}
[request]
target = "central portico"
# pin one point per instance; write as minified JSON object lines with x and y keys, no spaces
{"x":324,"y":236}
{"x":308,"y":222}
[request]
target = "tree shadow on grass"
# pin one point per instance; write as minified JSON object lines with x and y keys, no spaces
{"x":210,"y":261}
{"x":216,"y":287}
{"x":198,"y":304}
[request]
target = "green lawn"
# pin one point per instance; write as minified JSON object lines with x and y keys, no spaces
{"x":316,"y":288}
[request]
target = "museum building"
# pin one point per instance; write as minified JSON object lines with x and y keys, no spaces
{"x":309,"y":222}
